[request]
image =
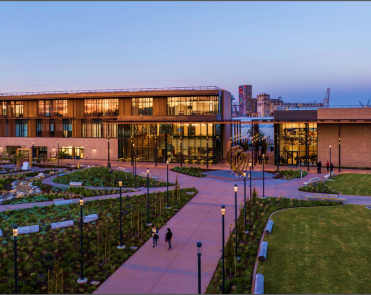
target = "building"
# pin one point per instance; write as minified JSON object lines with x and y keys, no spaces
{"x":168,"y":123}
{"x":245,"y":95}
{"x":266,"y":105}
{"x":307,"y":136}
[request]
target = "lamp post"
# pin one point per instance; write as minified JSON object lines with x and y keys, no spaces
{"x":58,"y":153}
{"x":82,"y":280}
{"x":181,"y":153}
{"x":263,"y":173}
{"x":244,"y":196}
{"x":167,"y":185}
{"x":15,"y":234}
{"x":235,"y":215}
{"x":108,"y":163}
{"x":199,"y":253}
{"x":148,"y":223}
{"x":250,"y":189}
{"x":207,"y":153}
{"x":223,"y":213}
{"x":339,"y":151}
{"x":132,"y":156}
{"x":32,"y":151}
{"x":156,"y":151}
{"x":121,"y":246}
{"x":278,"y":153}
{"x":330,"y":159}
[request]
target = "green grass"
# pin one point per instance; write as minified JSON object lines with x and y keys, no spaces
{"x":319,"y":250}
{"x":352,"y":184}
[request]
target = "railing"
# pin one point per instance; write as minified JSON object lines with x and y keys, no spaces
{"x":293,"y":108}
{"x":111,"y":90}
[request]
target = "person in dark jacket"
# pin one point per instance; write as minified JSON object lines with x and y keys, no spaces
{"x":328,"y":165}
{"x":331,"y":167}
{"x":169,"y":237}
{"x":266,"y":159}
{"x":319,"y":167}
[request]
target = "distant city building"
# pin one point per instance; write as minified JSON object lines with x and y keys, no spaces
{"x":245,"y":95}
{"x":266,"y":105}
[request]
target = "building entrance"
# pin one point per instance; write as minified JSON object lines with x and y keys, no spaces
{"x":292,"y":158}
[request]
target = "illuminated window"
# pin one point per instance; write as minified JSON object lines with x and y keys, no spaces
{"x":60,"y":108}
{"x":101,"y":107}
{"x":142,"y":106}
{"x":198,"y":105}
{"x":67,"y":128}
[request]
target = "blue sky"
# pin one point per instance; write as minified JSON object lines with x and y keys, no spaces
{"x":290,"y":49}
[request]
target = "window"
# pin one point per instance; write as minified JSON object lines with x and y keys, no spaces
{"x":101,"y":107}
{"x":38,"y":128}
{"x":67,"y":128}
{"x":21,"y":128}
{"x":198,"y":105}
{"x":142,"y":106}
{"x":3,"y":108}
{"x":60,"y":108}
{"x":45,"y":108}
{"x":52,"y":130}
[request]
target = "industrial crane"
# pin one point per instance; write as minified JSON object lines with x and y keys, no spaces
{"x":367,"y":105}
{"x":326,"y":101}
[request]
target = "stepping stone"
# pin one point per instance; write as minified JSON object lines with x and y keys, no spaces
{"x":95,"y":283}
{"x":133,"y":248}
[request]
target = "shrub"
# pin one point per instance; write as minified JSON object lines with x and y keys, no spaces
{"x":27,"y":290}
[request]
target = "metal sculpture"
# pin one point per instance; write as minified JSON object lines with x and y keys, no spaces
{"x":238,"y":158}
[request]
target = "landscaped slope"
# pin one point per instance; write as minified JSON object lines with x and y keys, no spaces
{"x":352,"y":184}
{"x":319,"y":250}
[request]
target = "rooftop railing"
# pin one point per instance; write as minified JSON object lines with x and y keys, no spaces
{"x":112,"y":90}
{"x":293,"y":108}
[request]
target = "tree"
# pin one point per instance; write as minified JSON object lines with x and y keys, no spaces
{"x":62,"y":154}
{"x":264,"y":147}
{"x":4,"y":155}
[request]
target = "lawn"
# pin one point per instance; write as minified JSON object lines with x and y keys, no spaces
{"x":319,"y":250}
{"x":352,"y":184}
{"x":49,"y":260}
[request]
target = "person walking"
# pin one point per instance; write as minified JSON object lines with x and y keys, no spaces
{"x":331,"y":167}
{"x":328,"y":165}
{"x":266,"y":159}
{"x":169,"y":237}
{"x":154,"y":235}
{"x":272,"y":148}
{"x":320,"y":167}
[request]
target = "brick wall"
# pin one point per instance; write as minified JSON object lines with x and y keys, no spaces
{"x":355,"y":144}
{"x":344,"y":113}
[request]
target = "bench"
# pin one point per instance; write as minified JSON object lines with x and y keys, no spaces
{"x":326,"y":197}
{"x":75,"y":183}
{"x":327,"y":176}
{"x":122,"y":169}
{"x":144,"y":174}
{"x":312,"y":180}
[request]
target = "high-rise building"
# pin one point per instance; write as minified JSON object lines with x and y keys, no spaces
{"x":245,"y":94}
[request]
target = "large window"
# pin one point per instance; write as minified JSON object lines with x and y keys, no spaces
{"x":198,"y":105}
{"x":3,"y":108}
{"x":142,"y":106}
{"x":96,"y":128}
{"x":45,"y":108}
{"x":60,"y":108}
{"x":38,"y":128}
{"x":101,"y":107}
{"x":21,"y":128}
{"x":11,"y":109}
{"x":67,"y":128}
{"x":52,"y":128}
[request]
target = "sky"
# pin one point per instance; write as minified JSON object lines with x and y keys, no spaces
{"x":291,"y":49}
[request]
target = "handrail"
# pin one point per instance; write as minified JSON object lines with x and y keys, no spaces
{"x":111,"y":90}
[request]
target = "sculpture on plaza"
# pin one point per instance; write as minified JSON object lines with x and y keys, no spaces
{"x":238,"y":158}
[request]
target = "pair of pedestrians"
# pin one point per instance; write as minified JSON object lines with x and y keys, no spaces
{"x":168,"y":236}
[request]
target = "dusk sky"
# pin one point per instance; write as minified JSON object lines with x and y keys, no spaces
{"x":291,"y":49}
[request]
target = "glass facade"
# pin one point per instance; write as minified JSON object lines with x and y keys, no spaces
{"x":45,"y":108}
{"x":21,"y":128}
{"x":142,"y":106}
{"x":60,"y":108}
{"x":96,"y":128}
{"x":101,"y":107}
{"x":197,"y":105}
{"x":67,"y":128}
{"x":11,"y":109}
{"x":173,"y":142}
{"x":297,"y":143}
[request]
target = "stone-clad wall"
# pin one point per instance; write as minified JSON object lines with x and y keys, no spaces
{"x":355,"y":144}
{"x":100,"y":144}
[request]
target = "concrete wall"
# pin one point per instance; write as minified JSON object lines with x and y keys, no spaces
{"x":355,"y":144}
{"x":100,"y":145}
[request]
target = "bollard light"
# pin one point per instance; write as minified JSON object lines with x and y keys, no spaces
{"x":148,"y":223}
{"x":199,"y":253}
{"x":15,"y":234}
{"x":223,"y":210}
{"x":120,"y":182}
{"x":82,"y":280}
{"x":223,"y":213}
{"x":167,"y":185}
{"x":235,"y":188}
{"x":121,"y":246}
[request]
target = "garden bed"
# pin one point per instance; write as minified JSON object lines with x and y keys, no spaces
{"x":105,"y":177}
{"x":288,"y":174}
{"x":238,"y":276}
{"x":51,"y":254}
{"x":191,"y":171}
{"x":318,"y":187}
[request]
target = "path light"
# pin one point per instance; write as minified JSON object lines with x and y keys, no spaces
{"x":15,"y":235}
{"x":330,"y":159}
{"x":32,"y":151}
{"x":223,"y":213}
{"x":199,"y":253}
{"x":108,"y":163}
{"x":121,"y":246}
{"x":250,"y":188}
{"x":263,"y":173}
{"x":58,"y":153}
{"x":235,"y":215}
{"x":244,"y":196}
{"x":82,"y":280}
{"x":167,"y":185}
{"x":148,"y":223}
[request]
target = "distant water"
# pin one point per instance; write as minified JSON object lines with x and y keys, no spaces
{"x":267,"y":129}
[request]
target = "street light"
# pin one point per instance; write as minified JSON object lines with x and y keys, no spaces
{"x":156,"y":150}
{"x":235,"y":215}
{"x":244,"y":196}
{"x":199,"y":253}
{"x":207,"y":153}
{"x":108,"y":163}
{"x":181,"y":153}
{"x":58,"y":153}
{"x":15,"y":234}
{"x":330,"y":159}
{"x":82,"y":280}
{"x":133,"y":155}
{"x":167,"y":185}
{"x":32,"y":151}
{"x":223,"y":213}
{"x":250,"y":188}
{"x":121,"y":246}
{"x":148,"y":223}
{"x":263,"y":173}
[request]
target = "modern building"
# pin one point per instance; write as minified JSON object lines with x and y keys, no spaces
{"x":245,"y":95}
{"x":307,"y":136}
{"x":188,"y":124}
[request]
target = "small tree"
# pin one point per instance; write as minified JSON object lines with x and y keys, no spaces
{"x":4,"y":155}
{"x":264,"y":147}
{"x":61,"y":155}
